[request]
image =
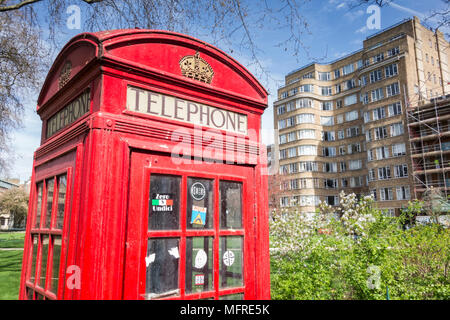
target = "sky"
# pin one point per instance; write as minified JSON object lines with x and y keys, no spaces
{"x":335,"y":30}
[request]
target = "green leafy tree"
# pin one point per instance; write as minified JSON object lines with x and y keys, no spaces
{"x":15,"y":201}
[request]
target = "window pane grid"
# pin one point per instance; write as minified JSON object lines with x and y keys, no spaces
{"x":195,"y":278}
{"x":43,"y":277}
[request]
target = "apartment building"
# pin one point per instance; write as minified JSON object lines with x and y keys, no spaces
{"x":342,"y":125}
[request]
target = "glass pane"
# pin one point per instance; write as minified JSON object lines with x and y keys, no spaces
{"x":230,"y":205}
{"x":199,"y":264}
{"x":48,"y":216}
{"x":62,"y":187}
{"x":237,"y":296}
{"x":162,"y":267}
{"x":29,"y":293}
{"x":33,"y":259}
{"x":164,"y":204}
{"x":55,"y":266}
{"x":44,"y":256}
{"x":38,"y":206}
{"x":200,"y":203}
{"x":230,"y":255}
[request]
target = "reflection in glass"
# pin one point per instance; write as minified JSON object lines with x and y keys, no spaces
{"x":48,"y":217}
{"x":236,"y":296}
{"x":199,"y":264}
{"x":33,"y":259}
{"x":38,"y":206}
{"x":230,"y":255}
{"x":162,"y":262}
{"x":44,"y":256}
{"x":200,"y":203}
{"x":55,"y":266}
{"x":164,"y":204}
{"x":230,"y":205}
{"x":62,"y":187}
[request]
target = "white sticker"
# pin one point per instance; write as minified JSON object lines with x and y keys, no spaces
{"x":174,"y":252}
{"x":200,"y":259}
{"x":149,"y":259}
{"x":228,"y":258}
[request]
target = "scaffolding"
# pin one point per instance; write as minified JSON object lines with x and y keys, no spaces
{"x":429,"y":138}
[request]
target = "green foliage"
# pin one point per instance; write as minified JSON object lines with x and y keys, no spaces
{"x":358,"y":255}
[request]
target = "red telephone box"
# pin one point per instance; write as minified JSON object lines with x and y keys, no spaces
{"x":149,"y":182}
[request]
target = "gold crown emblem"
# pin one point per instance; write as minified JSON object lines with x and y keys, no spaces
{"x":65,"y":74}
{"x":196,"y":68}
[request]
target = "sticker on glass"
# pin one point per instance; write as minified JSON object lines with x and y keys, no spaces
{"x":149,"y":259}
{"x":174,"y":252}
{"x":198,"y":216}
{"x":198,"y":191}
{"x":199,"y":279}
{"x":228,"y":258}
{"x":162,"y":202}
{"x":200,"y":259}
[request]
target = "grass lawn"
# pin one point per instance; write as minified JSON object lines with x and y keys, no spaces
{"x":10,"y":264}
{"x":10,"y":268}
{"x":12,"y":239}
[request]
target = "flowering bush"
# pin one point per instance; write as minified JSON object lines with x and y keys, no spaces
{"x":354,"y":251}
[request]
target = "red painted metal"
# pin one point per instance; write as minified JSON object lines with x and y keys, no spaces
{"x":109,"y":154}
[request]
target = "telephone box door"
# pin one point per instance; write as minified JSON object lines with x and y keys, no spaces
{"x":190,"y":229}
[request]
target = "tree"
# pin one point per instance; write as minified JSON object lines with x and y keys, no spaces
{"x":15,"y":202}
{"x":23,"y":60}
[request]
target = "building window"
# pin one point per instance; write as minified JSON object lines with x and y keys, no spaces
{"x":377,"y":94}
{"x":393,"y":89}
{"x":326,"y":105}
{"x":348,"y":69}
{"x":380,"y":133}
{"x":305,"y":118}
{"x":337,"y":74}
{"x":328,"y":136}
{"x":281,"y":109}
{"x":375,"y":76}
{"x":355,"y":164}
{"x":327,"y":121}
{"x":308,"y":166}
{"x":396,"y":129}
{"x":394,"y":51}
{"x":282,"y":124}
{"x":398,"y":149}
{"x":325,"y":91}
{"x":382,"y":153}
{"x":341,"y":134}
{"x":386,"y":194}
{"x":378,"y":113}
{"x":329,"y":167}
{"x":351,"y":115}
{"x":338,"y":104}
{"x":384,"y":173}
{"x":332,"y":200}
{"x":373,"y":193}
{"x":306,"y":134}
{"x":329,"y":151}
{"x":307,"y":150}
{"x":308,"y":75}
{"x":351,"y":99}
{"x":304,"y":103}
{"x":378,"y":58}
{"x":352,"y":132}
{"x":330,"y":183}
{"x":394,"y":109}
{"x":324,"y":76}
{"x":401,"y":171}
{"x":307,"y":88}
{"x":391,"y":70}
{"x":403,"y":193}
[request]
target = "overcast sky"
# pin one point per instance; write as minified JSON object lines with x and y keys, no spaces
{"x":335,"y":31}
